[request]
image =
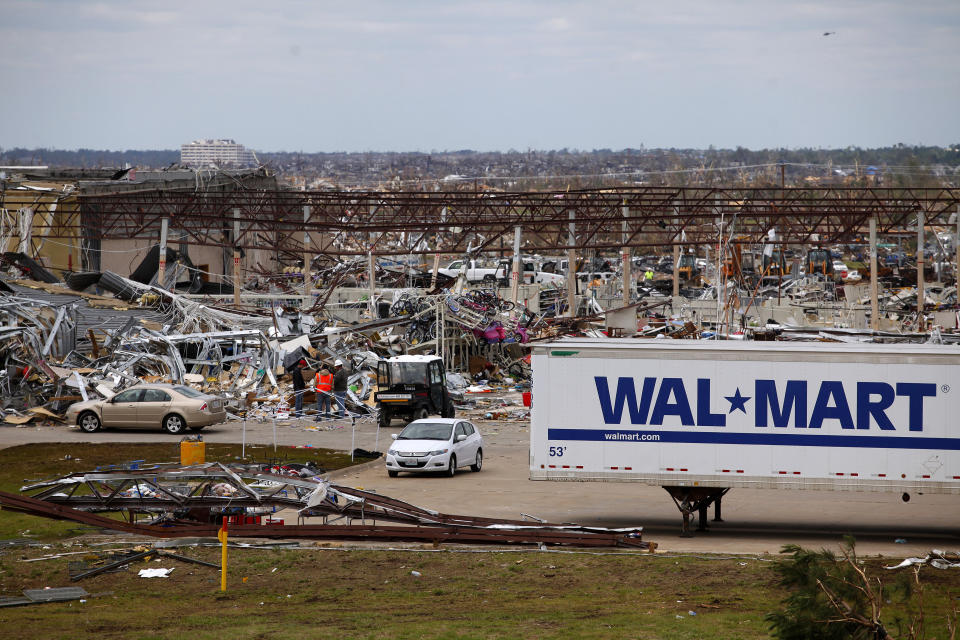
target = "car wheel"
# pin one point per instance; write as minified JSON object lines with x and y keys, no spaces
{"x":174,"y":424}
{"x":392,"y":473}
{"x":476,"y":466}
{"x":421,"y":414}
{"x":489,"y":278}
{"x":89,"y":422}
{"x":452,"y":470}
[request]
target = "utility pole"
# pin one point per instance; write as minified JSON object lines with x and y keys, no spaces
{"x":162,"y":267}
{"x":572,"y":266}
{"x":515,"y":273}
{"x":435,"y":271}
{"x":956,"y":242}
{"x":307,"y":260}
{"x":921,"y":221}
{"x":436,"y":257}
{"x":874,"y":280}
{"x":372,"y":271}
{"x":676,"y":255}
{"x":626,"y":257}
{"x":26,"y":240}
{"x":236,"y":257}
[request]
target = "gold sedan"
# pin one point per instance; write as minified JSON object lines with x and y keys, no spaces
{"x":173,"y":408}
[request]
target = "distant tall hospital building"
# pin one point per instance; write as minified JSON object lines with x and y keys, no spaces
{"x":203,"y":153}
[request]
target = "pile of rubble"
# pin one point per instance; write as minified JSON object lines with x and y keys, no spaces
{"x":59,"y":346}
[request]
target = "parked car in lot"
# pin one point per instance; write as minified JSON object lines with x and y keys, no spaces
{"x":436,"y":444}
{"x":173,"y":408}
{"x":851,"y":276}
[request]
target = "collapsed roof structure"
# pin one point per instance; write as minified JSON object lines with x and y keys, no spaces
{"x":218,"y":277}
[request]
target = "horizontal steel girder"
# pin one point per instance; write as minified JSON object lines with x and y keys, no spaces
{"x":398,"y":223}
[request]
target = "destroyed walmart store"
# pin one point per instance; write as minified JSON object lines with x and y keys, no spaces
{"x":220,"y":281}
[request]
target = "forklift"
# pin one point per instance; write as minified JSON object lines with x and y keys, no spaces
{"x":412,"y":387}
{"x":776,"y":264}
{"x":687,"y":267}
{"x":820,"y":261}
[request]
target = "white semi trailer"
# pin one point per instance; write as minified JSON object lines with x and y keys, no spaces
{"x":701,"y":417}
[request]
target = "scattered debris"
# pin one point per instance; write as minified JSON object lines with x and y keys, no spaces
{"x":936,"y":558}
{"x":97,"y":332}
{"x":155,"y":573}
{"x":192,"y":501}
{"x":48,"y":594}
{"x":120,"y":560}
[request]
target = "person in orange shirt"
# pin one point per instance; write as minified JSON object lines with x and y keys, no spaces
{"x":323,"y":385}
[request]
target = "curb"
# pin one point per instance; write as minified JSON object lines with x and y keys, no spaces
{"x":337,"y":473}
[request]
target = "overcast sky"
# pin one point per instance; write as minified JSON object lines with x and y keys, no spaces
{"x":398,"y":75}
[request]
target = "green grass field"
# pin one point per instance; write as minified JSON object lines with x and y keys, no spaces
{"x":354,"y":591}
{"x":321,"y":592}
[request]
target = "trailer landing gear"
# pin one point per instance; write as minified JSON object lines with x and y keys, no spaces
{"x":690,"y":499}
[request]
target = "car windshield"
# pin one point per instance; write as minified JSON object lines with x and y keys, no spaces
{"x":187,"y":391}
{"x":405,"y":373}
{"x":426,"y":431}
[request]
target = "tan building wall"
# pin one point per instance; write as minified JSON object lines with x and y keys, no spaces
{"x":54,"y":230}
{"x":123,"y":256}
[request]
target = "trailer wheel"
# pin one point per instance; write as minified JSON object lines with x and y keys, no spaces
{"x":383,"y":420}
{"x":421,"y":414}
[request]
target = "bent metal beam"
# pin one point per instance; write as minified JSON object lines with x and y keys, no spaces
{"x":186,"y":501}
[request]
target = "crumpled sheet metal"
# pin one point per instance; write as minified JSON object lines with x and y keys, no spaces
{"x":32,"y":334}
{"x":40,"y":363}
{"x":936,"y":558}
{"x":234,"y":355}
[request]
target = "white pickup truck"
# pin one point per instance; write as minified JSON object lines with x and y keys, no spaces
{"x":473,"y":272}
{"x":501,"y":272}
{"x":529,"y":275}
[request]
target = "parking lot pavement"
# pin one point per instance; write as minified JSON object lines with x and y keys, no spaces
{"x":335,"y":434}
{"x":756,"y":521}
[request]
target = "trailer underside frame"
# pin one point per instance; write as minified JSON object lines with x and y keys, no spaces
{"x":699,"y":499}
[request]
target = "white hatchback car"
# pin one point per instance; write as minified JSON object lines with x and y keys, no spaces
{"x":436,"y":444}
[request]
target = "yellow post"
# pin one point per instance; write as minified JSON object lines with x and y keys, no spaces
{"x":222,"y":537}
